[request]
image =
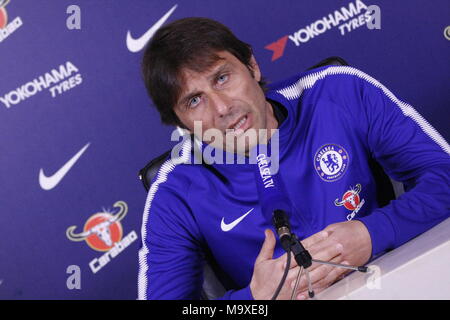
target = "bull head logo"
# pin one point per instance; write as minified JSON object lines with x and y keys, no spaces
{"x":100,"y":224}
{"x":3,"y":14}
{"x":3,"y":3}
{"x":350,"y":199}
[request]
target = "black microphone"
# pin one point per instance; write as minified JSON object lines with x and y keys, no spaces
{"x":276,"y":205}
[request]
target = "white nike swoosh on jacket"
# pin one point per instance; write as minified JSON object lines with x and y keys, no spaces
{"x":48,"y":183}
{"x":227,"y":227}
{"x":135,"y":45}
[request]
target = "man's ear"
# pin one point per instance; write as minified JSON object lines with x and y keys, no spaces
{"x":256,"y":72}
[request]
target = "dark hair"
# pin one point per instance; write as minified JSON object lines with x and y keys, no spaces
{"x":190,"y":43}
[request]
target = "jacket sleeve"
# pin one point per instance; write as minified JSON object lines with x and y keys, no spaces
{"x":411,"y":151}
{"x":171,"y":256}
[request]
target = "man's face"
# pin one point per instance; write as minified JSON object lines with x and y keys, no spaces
{"x":228,"y":98}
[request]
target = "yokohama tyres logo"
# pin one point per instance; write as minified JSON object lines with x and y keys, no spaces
{"x":347,"y":18}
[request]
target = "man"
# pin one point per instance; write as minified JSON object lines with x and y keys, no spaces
{"x":333,"y":123}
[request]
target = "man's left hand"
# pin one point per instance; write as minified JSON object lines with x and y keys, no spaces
{"x":346,"y":242}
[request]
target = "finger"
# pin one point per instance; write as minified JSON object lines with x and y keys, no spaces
{"x":318,"y":274}
{"x":286,"y":291}
{"x":283,"y":260}
{"x":333,"y":276}
{"x":292,"y":276}
{"x":325,"y":274}
{"x":315,"y":238}
{"x":305,"y":295}
{"x":267,"y":248}
{"x":326,"y":250}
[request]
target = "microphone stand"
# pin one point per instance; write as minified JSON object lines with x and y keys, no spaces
{"x":290,"y":243}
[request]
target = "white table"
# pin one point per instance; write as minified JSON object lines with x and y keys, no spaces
{"x":419,"y":269}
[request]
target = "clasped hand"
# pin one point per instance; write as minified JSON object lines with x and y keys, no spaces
{"x":345,"y":242}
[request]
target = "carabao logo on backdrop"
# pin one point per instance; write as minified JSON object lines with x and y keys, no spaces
{"x":7,"y":28}
{"x":346,"y":19}
{"x":3,"y":14}
{"x":103,"y":232}
{"x":57,"y":81}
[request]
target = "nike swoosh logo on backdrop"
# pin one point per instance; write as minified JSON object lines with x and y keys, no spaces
{"x":48,"y":183}
{"x":135,"y":45}
{"x":227,"y":227}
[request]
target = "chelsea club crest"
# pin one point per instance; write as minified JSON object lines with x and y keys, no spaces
{"x":331,"y":162}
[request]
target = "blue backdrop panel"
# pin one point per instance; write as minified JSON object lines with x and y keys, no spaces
{"x":76,"y":124}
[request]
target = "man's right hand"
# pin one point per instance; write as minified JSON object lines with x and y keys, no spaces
{"x":268,"y":272}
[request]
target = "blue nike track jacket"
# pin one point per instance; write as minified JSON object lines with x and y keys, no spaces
{"x":338,"y":119}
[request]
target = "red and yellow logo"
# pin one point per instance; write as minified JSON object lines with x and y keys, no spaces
{"x":102,"y":230}
{"x":351,"y":201}
{"x":3,"y":14}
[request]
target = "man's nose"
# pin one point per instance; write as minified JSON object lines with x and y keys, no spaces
{"x":221,"y":103}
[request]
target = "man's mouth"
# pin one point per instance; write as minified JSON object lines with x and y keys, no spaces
{"x":240,"y":125}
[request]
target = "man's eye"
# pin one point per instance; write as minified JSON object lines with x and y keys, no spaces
{"x":194,"y":102}
{"x":222,"y":78}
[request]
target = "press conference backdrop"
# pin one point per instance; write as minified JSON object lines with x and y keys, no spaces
{"x":76,"y":124}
